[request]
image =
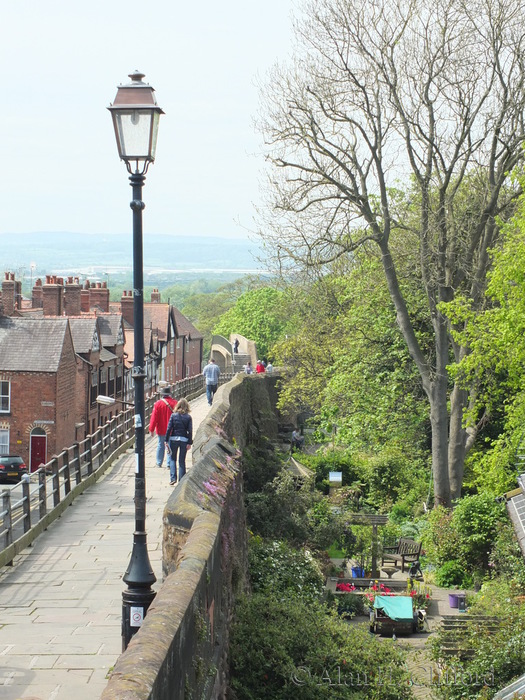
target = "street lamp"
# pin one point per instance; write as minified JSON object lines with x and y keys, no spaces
{"x":136,"y":116}
{"x":110,"y":401}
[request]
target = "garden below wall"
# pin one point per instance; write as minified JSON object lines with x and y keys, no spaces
{"x":180,"y":652}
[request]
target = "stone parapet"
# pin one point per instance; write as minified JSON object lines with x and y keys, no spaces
{"x":181,"y":650}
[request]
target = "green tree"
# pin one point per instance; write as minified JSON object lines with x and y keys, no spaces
{"x":257,"y":315}
{"x":346,"y":358}
{"x":204,"y":303}
{"x":430,"y":92}
{"x":496,"y":362}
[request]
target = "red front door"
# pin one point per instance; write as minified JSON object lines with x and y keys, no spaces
{"x":38,"y":451}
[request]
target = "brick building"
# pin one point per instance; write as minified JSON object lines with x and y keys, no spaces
{"x":38,"y":370}
{"x":173,"y":346}
{"x":69,"y":345}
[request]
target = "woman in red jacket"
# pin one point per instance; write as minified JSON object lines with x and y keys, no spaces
{"x":160,"y":417}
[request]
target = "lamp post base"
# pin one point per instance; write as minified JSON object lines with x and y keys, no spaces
{"x":135,"y":604}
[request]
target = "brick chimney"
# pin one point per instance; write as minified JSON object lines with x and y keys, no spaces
{"x":72,"y":299}
{"x":126,"y":307}
{"x":155,"y":296}
{"x":85,"y":295}
{"x":99,"y":296}
{"x":37,"y":296}
{"x":8,"y":293}
{"x":52,"y":292}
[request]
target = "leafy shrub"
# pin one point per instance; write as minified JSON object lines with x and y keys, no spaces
{"x":452,"y":573}
{"x":439,"y":537}
{"x":506,"y":558}
{"x":338,"y":461}
{"x":286,"y":510}
{"x":286,"y":572}
{"x":498,"y":655}
{"x":475,"y":519}
{"x":288,"y":649}
{"x":349,"y":605}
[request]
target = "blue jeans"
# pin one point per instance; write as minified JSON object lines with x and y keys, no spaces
{"x":210,"y":391}
{"x":160,"y":450}
{"x":182,"y":448}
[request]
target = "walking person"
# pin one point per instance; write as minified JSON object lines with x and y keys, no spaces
{"x":179,"y":438}
{"x":160,"y":416}
{"x":211,"y":372}
{"x":297,"y":440}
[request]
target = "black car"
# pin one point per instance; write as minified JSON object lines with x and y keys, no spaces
{"x":12,"y":468}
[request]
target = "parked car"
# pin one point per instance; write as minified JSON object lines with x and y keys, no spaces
{"x":12,"y":468}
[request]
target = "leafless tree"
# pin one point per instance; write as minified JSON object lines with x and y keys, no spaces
{"x":429,"y":94}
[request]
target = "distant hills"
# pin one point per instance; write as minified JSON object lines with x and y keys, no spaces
{"x":98,"y":255}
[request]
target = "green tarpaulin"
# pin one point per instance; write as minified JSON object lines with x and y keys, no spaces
{"x":396,"y":607}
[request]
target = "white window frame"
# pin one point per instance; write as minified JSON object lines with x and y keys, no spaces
{"x":5,"y":396}
{"x":4,"y":441}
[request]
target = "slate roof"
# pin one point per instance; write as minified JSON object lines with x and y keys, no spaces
{"x":106,"y":355}
{"x":184,"y":326}
{"x":31,"y":345}
{"x":83,"y":330}
{"x":110,"y":325}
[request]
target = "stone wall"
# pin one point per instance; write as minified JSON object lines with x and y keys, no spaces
{"x":180,"y":652}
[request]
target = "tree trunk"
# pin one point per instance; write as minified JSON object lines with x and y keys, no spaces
{"x":457,"y":441}
{"x":439,"y":425}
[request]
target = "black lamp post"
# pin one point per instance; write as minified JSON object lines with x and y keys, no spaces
{"x":136,"y":116}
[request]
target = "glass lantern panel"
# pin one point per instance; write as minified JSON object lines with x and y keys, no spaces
{"x":134,"y":132}
{"x":154,"y":133}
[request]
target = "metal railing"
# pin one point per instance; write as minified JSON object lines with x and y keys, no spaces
{"x":27,"y":508}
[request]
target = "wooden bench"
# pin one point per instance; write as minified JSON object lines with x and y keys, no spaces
{"x":405,"y":551}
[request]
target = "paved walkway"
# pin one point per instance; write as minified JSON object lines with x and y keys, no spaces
{"x":60,"y":604}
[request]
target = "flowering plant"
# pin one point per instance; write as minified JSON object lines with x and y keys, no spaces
{"x":420,"y":594}
{"x":377,"y":589}
{"x":345,"y":587}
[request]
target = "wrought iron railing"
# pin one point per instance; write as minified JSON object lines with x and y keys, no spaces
{"x":27,"y":508}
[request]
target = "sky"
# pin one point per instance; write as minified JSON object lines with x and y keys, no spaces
{"x":63,"y":62}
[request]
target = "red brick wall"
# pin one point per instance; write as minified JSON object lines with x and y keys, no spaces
{"x":33,"y":404}
{"x":37,"y":295}
{"x":52,"y":299}
{"x":99,"y":296}
{"x":72,"y":291}
{"x":8,"y":294}
{"x":126,"y":307}
{"x":194,"y":357}
{"x":66,"y":410}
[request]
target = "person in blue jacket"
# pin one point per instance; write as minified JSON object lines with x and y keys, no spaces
{"x":179,"y":438}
